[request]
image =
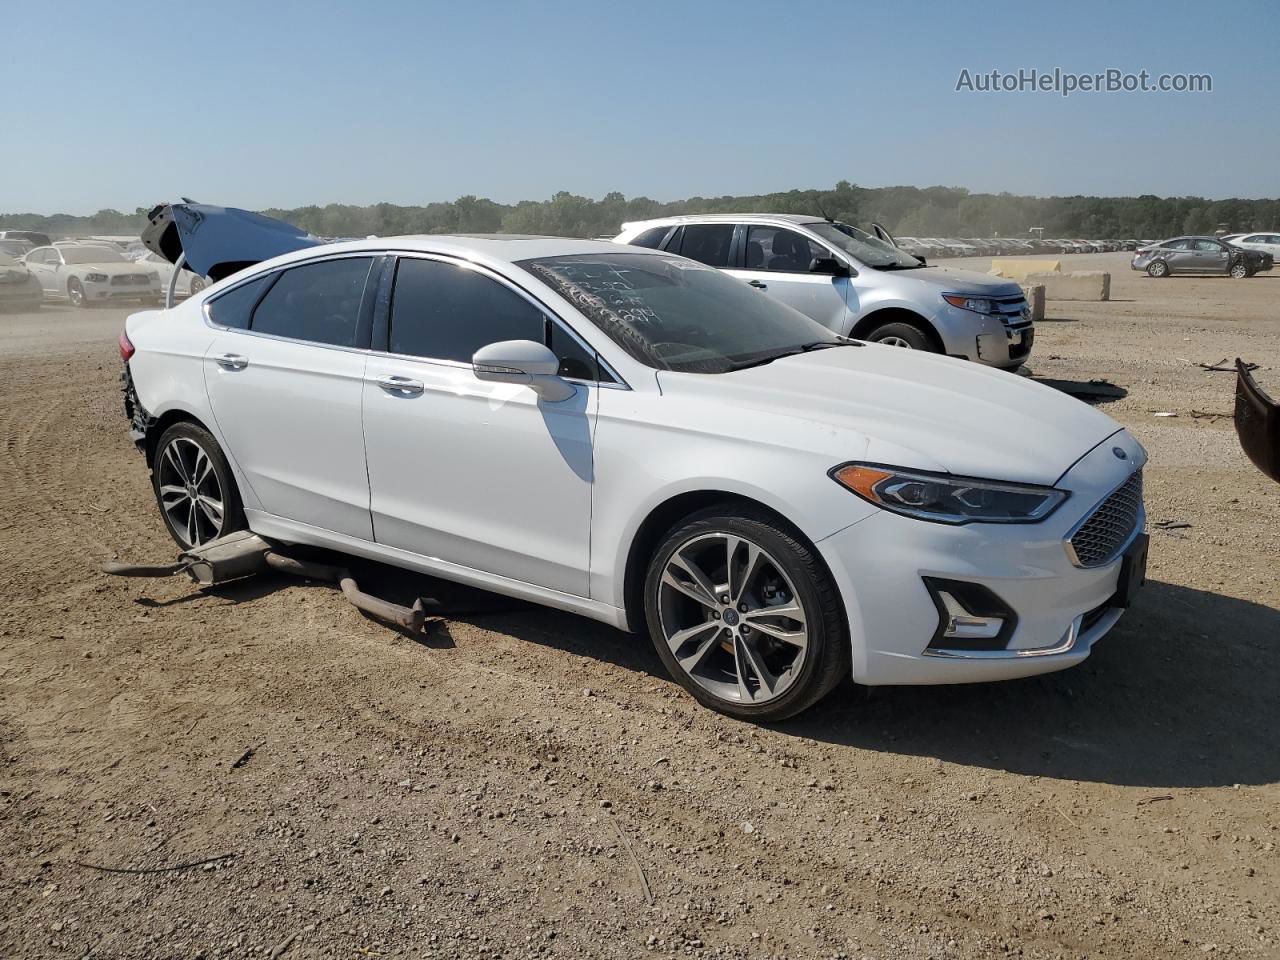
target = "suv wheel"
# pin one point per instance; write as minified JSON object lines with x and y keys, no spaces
{"x":900,"y":335}
{"x":194,"y":487}
{"x":1157,"y":269}
{"x":745,"y":616}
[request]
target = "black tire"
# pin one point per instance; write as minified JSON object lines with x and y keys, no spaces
{"x":1240,"y":270}
{"x":1157,"y":269}
{"x":827,"y":660}
{"x":75,"y":293}
{"x":902,"y":335}
{"x":232,"y":509}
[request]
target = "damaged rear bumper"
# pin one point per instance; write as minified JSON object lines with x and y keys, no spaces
{"x":140,"y":421}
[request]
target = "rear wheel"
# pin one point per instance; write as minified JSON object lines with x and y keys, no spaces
{"x":1157,"y":269}
{"x":901,"y":335}
{"x":745,"y":616}
{"x":75,"y":293}
{"x":194,"y":486}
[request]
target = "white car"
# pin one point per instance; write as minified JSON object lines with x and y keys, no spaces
{"x":1263,"y":242}
{"x":188,"y":283}
{"x":644,"y":440}
{"x":85,"y":274}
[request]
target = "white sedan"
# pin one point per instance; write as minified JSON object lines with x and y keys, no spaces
{"x":640,"y":439}
{"x":1262,"y":242}
{"x":188,"y":283}
{"x":86,"y":273}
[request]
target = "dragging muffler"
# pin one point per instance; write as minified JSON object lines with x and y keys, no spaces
{"x":244,"y":554}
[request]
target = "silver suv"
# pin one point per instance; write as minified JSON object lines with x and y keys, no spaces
{"x":859,"y":285}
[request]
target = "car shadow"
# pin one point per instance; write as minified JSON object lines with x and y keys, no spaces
{"x":1094,"y":392}
{"x":1181,"y":693}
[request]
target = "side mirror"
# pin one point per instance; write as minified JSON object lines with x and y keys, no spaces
{"x":923,"y":261}
{"x":829,"y":265}
{"x":524,"y":362}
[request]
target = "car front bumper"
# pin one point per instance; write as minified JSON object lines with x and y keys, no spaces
{"x":984,"y":339}
{"x":1059,"y":609}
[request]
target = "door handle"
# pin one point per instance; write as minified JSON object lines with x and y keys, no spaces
{"x":399,"y":385}
{"x":232,"y":361}
{"x":757,"y":284}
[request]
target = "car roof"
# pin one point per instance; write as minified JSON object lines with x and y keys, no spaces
{"x":500,"y":247}
{"x":724,"y":218}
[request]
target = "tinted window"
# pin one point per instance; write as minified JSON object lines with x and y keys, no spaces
{"x":773,"y":248}
{"x":448,"y":313}
{"x":233,"y":308}
{"x":1177,"y":245}
{"x":1209,"y":246}
{"x":651,"y":238}
{"x":318,"y":302}
{"x":707,"y":243}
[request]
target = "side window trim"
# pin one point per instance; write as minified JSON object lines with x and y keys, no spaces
{"x":396,"y":256}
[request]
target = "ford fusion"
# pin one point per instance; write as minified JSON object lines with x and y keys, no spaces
{"x":644,"y":440}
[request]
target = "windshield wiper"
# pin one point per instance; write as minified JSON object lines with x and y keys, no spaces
{"x":802,"y":348}
{"x":899,"y":266}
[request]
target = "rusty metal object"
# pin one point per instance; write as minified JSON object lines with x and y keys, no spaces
{"x":1257,"y":419}
{"x":411,"y":618}
{"x":244,"y":554}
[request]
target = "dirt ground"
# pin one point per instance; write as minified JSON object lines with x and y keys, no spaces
{"x":524,"y":783}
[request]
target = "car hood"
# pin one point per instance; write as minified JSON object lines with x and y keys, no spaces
{"x":952,"y":280}
{"x":218,"y":241}
{"x":889,"y":405}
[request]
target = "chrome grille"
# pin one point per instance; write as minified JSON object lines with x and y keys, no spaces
{"x":1104,"y":532}
{"x":129,"y":279}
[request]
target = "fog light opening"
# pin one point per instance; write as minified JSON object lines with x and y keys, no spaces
{"x":970,"y":617}
{"x":963,"y":625}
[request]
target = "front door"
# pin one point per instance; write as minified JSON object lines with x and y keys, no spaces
{"x":285,"y":382}
{"x":484,"y":475}
{"x":44,"y":265}
{"x":777,"y":261}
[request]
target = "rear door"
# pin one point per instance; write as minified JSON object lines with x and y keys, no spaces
{"x":777,"y":261}
{"x":1179,"y":255}
{"x":487,"y":476}
{"x":285,"y":374}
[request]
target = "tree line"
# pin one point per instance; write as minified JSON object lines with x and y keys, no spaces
{"x":908,"y":211}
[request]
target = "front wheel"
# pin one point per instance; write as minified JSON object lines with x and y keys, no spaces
{"x":194,"y":486}
{"x":75,"y":293}
{"x":1240,"y":270}
{"x":1157,"y":269}
{"x":196,"y":285}
{"x":900,"y":335}
{"x":745,"y":616}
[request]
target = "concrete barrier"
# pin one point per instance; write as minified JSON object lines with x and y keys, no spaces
{"x":1080,"y":285}
{"x":1034,"y":292}
{"x":1017,"y":269}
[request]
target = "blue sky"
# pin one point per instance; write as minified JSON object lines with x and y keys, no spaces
{"x":288,"y":103}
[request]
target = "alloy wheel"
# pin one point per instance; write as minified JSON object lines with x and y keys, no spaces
{"x":190,"y":494}
{"x":732,"y":619}
{"x":75,"y":293}
{"x":894,"y":342}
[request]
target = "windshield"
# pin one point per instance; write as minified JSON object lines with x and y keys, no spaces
{"x":862,"y":246}
{"x":675,"y":314}
{"x":8,"y":261}
{"x":87,"y":254}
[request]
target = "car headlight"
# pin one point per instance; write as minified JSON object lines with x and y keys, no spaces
{"x":944,"y":498}
{"x":976,"y":304}
{"x":96,"y":277}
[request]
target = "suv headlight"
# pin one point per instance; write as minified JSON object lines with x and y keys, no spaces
{"x":976,"y":304}
{"x":944,"y":498}
{"x":96,"y":277}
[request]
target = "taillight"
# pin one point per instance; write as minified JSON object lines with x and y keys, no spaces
{"x":127,"y":348}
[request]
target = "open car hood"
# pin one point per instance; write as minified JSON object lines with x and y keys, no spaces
{"x":1257,"y":420}
{"x":218,"y":241}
